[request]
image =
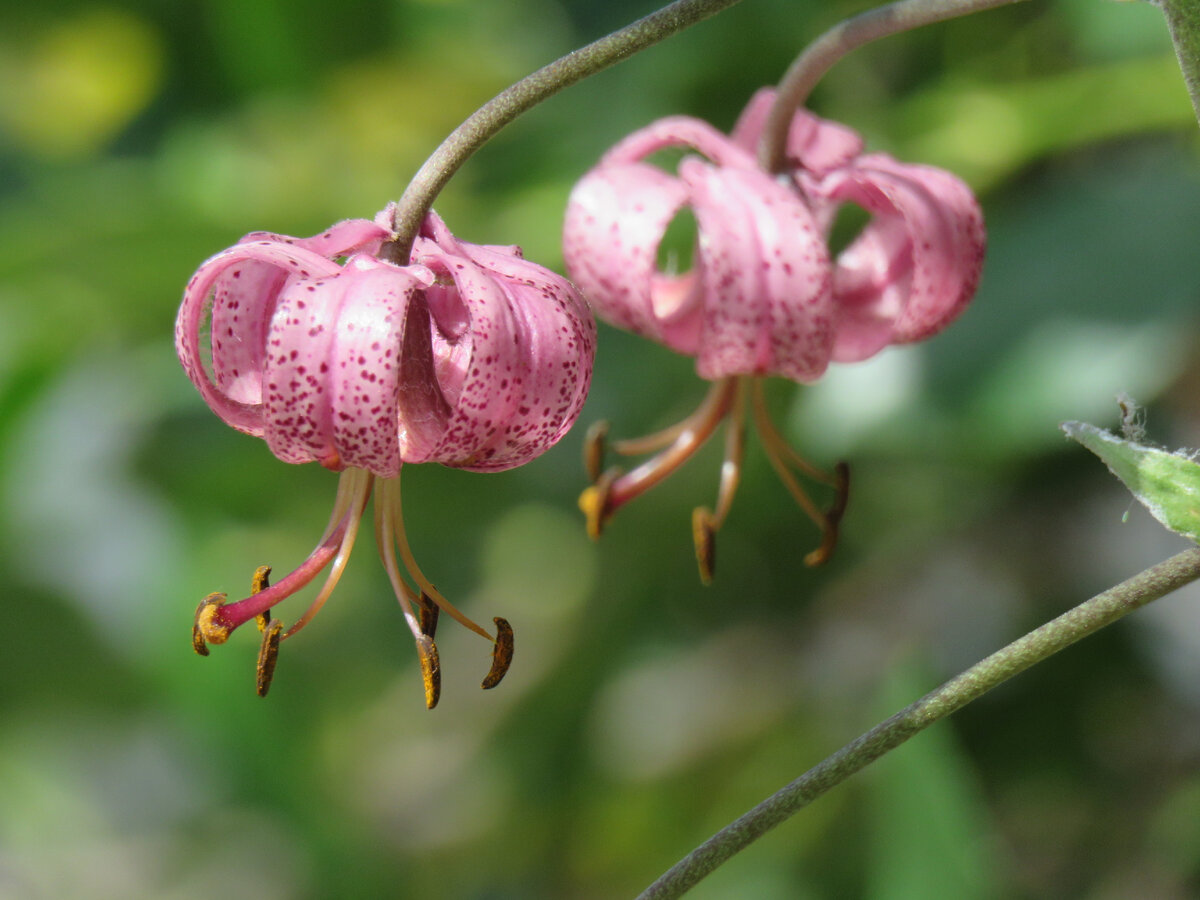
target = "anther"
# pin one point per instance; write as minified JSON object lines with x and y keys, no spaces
{"x":205,"y":629}
{"x":429,"y":614}
{"x":704,"y":535}
{"x":502,"y":653}
{"x":594,"y":445}
{"x":594,"y":503}
{"x":832,"y":517}
{"x":268,"y":655}
{"x":260,"y":581}
{"x":431,"y":670}
{"x":841,"y":486}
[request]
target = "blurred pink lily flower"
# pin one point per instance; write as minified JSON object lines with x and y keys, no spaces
{"x":469,"y":356}
{"x":763,"y":295}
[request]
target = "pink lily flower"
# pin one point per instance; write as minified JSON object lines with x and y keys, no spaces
{"x":469,"y":356}
{"x":763,"y":295}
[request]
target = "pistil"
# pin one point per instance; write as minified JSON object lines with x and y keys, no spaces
{"x":216,"y":619}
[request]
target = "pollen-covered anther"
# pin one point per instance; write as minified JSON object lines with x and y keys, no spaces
{"x":260,"y":581}
{"x":431,"y":670}
{"x":268,"y":655}
{"x":502,"y":653}
{"x":704,"y":535}
{"x":595,"y":503}
{"x":595,"y":443}
{"x":206,"y":629}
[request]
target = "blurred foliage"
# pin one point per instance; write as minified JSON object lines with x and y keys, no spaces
{"x":643,"y":712}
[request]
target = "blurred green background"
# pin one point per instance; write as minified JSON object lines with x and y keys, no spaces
{"x":643,"y":711}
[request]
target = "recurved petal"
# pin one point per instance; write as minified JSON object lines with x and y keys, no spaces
{"x":244,"y":301}
{"x":238,"y":357}
{"x":346,"y":237}
{"x":514,"y":377}
{"x":679,"y":131}
{"x":616,"y":218}
{"x":767,"y":303}
{"x":915,"y":266}
{"x":815,"y":144}
{"x":332,"y":377}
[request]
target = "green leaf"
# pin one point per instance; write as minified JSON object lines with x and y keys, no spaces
{"x":1167,"y":484}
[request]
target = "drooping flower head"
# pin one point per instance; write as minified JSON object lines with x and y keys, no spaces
{"x":764,"y":295}
{"x":469,"y":356}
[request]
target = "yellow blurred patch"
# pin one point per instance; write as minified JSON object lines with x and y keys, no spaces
{"x":66,"y":91}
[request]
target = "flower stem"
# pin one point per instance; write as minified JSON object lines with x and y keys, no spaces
{"x":850,"y":34}
{"x":1040,"y":644}
{"x":527,"y":93}
{"x":1183,"y":19}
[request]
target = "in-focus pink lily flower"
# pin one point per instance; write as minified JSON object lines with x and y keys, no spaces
{"x":469,"y":356}
{"x":763,"y":295}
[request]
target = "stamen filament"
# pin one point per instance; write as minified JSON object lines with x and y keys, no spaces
{"x":652,"y":443}
{"x":658,"y":440}
{"x":706,"y":523}
{"x":354,"y":487}
{"x":390,"y":500}
{"x":771,"y":436}
{"x":695,"y":431}
{"x":780,"y":454}
{"x":735,"y":452}
{"x":386,"y":542}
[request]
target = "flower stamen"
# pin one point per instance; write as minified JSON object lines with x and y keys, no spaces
{"x":781,"y":455}
{"x":268,"y":651}
{"x":260,"y":581}
{"x":431,"y":670}
{"x":390,"y":499}
{"x":677,"y":444}
{"x":429,"y":602}
{"x":594,"y":444}
{"x":502,"y":653}
{"x":706,"y":523}
{"x":216,"y":619}
{"x":268,"y":655}
{"x":354,"y":487}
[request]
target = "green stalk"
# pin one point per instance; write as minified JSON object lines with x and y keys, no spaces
{"x":524,"y":95}
{"x":850,"y":34}
{"x":1183,"y":20}
{"x":1044,"y":642}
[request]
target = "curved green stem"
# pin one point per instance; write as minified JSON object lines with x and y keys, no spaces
{"x":820,"y":56}
{"x":1183,"y":19}
{"x":527,"y":93}
{"x":1083,"y":620}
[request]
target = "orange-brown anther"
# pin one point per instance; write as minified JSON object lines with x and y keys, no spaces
{"x":841,"y":477}
{"x":502,"y":653}
{"x":594,"y":445}
{"x":268,"y":655}
{"x":704,"y":535}
{"x":260,"y":581}
{"x":431,"y":670}
{"x":594,"y":503}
